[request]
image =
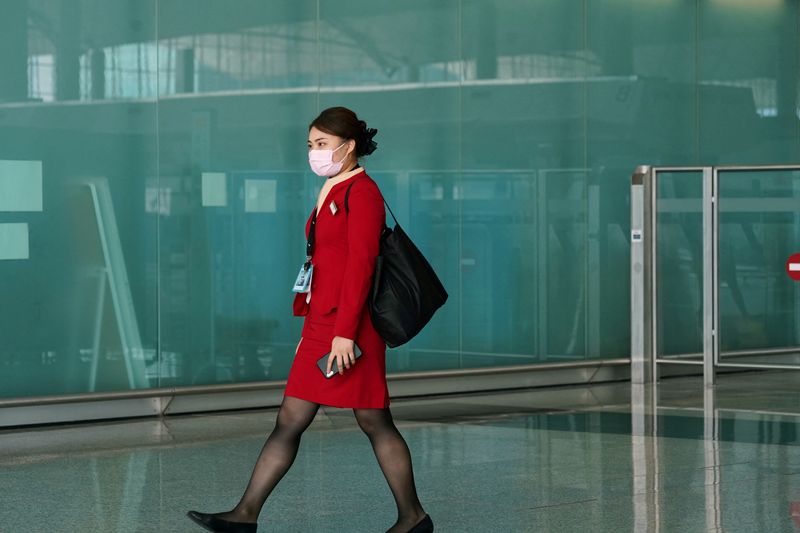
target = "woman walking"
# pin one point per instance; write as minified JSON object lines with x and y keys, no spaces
{"x":341,"y":249}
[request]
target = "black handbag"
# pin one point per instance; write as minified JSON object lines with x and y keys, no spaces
{"x":405,"y":290}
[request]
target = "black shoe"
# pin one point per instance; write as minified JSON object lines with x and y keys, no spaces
{"x":212,"y":523}
{"x":423,"y":526}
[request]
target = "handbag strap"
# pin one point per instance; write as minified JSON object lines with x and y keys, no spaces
{"x":347,"y":206}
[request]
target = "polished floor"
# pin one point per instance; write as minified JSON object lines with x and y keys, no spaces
{"x":610,"y":458}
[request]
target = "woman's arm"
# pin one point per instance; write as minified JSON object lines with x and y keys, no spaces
{"x":364,"y":226}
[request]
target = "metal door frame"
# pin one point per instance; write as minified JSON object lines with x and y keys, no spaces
{"x":644,"y":267}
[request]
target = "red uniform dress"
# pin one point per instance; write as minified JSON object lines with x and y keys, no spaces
{"x":345,"y":249}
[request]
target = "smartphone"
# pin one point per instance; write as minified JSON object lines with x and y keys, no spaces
{"x":322,"y":363}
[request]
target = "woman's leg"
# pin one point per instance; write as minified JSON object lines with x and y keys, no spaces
{"x":394,"y":459}
{"x":277,"y":455}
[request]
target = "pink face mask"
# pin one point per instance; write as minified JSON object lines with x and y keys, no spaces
{"x":322,"y":162}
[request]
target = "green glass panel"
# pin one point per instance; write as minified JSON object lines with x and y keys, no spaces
{"x":78,"y":172}
{"x":397,"y":67}
{"x":153,"y":211}
{"x":759,"y":230}
{"x":747,"y":68}
{"x":640,"y":109}
{"x":680,"y":264}
{"x":523,"y":186}
{"x":233,"y":116}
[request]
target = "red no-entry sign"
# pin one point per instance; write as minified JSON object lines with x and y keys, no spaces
{"x":793,"y":267}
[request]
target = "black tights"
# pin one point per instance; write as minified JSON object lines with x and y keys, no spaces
{"x":277,"y":455}
{"x":395,"y":461}
{"x":280,"y":450}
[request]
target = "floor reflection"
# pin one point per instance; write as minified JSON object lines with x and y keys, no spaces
{"x":608,"y":457}
{"x":652,"y":424}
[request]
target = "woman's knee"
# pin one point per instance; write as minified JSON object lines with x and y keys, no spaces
{"x":372,"y":421}
{"x":295,"y":415}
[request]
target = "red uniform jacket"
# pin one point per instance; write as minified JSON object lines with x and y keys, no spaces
{"x":345,"y":249}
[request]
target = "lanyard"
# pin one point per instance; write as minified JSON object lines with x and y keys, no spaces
{"x":310,"y":242}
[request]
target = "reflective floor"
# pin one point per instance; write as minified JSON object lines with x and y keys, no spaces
{"x":560,"y":459}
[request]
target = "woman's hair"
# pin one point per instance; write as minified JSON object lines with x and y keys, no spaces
{"x":344,"y":123}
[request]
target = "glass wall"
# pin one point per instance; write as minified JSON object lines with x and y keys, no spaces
{"x":679,"y":268}
{"x":154,"y":184}
{"x":759,"y":229}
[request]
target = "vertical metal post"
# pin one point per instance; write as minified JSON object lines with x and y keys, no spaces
{"x":542,"y":253}
{"x":644,"y":458}
{"x":711,"y":453}
{"x":593,"y":280}
{"x":796,"y":218}
{"x":184,"y":70}
{"x":710,"y":274}
{"x":642,"y":272}
{"x":651,"y":266}
{"x":97,"y":67}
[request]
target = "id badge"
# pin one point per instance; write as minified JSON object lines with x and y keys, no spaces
{"x":303,"y":282}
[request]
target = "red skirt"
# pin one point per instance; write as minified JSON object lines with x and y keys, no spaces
{"x":361,"y":386}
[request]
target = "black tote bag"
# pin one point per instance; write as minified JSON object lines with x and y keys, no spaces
{"x":406,"y":291}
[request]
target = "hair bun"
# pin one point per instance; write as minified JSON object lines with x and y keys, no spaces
{"x":367,"y":144}
{"x":344,"y":123}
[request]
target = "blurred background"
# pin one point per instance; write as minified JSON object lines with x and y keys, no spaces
{"x":154,"y":184}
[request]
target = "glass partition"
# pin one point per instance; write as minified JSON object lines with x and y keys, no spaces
{"x":679,"y":269}
{"x":79,"y":200}
{"x":154,"y":182}
{"x":759,"y":304}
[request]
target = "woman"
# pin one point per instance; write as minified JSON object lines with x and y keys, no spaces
{"x":342,"y":247}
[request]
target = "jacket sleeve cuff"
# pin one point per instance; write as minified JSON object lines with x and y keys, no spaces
{"x":346,"y":331}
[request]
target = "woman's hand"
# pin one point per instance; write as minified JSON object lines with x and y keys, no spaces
{"x":342,"y":351}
